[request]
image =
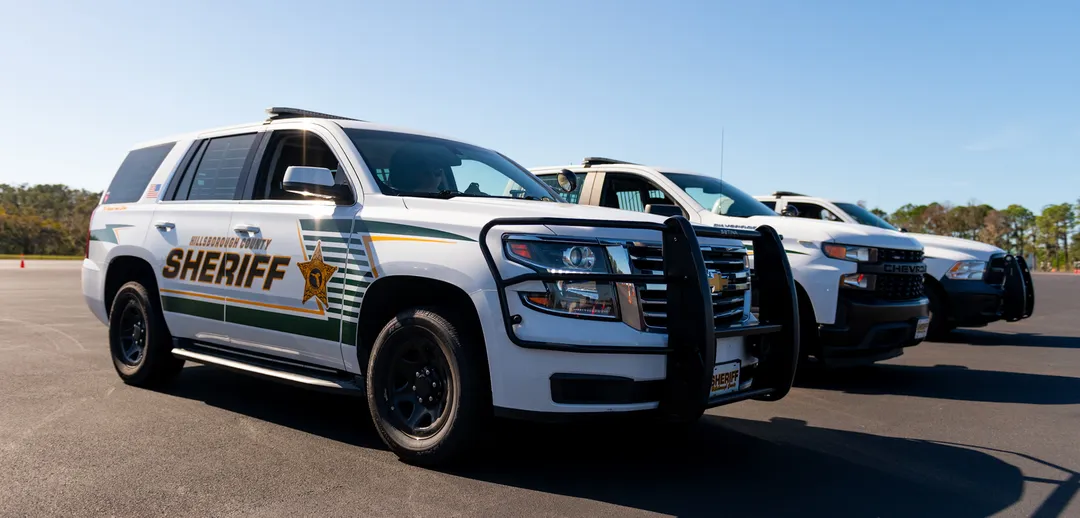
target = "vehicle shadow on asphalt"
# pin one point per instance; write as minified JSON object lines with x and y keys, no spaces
{"x":990,"y":338}
{"x":954,"y":382}
{"x":738,"y":467}
{"x":340,"y":418}
{"x":725,"y":466}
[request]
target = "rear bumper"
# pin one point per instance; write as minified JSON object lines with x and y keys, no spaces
{"x":870,"y":331}
{"x":93,"y":288}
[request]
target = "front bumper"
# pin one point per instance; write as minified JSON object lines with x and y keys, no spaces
{"x":973,"y":303}
{"x":870,"y":331}
{"x":540,"y":378}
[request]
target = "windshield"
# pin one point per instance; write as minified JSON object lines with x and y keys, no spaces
{"x":864,"y":216}
{"x":416,"y":165}
{"x":719,"y":197}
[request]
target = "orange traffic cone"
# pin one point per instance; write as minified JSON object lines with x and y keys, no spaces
{"x":22,"y":263}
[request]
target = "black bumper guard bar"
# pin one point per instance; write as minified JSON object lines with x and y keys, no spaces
{"x":692,"y":335}
{"x":1019,"y":300}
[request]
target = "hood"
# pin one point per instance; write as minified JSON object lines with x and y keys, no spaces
{"x":464,"y":216}
{"x":946,"y":247}
{"x":801,"y":229}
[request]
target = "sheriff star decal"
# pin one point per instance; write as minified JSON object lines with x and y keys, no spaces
{"x":317,"y":275}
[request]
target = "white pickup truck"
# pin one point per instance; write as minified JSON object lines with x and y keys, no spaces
{"x":438,"y":279}
{"x":860,"y":289}
{"x":969,"y":284}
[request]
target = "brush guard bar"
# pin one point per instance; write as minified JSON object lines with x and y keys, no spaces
{"x":1019,"y":300}
{"x":691,"y":348}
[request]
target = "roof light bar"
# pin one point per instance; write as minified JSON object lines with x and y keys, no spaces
{"x":786,"y":193}
{"x":281,"y":112}
{"x":599,"y":160}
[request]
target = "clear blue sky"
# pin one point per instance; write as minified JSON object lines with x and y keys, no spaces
{"x":888,"y":102}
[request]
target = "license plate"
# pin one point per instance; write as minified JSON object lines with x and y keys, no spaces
{"x":725,"y":378}
{"x":922,"y":327}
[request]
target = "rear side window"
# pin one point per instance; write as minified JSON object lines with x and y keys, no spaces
{"x":218,"y":169}
{"x":135,"y":172}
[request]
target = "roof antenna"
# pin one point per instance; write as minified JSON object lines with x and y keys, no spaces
{"x":721,"y":160}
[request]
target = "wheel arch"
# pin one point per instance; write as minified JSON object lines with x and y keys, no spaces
{"x":389,"y":295}
{"x":125,"y":268}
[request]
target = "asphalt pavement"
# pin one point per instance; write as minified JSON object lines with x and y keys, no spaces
{"x":985,"y":424}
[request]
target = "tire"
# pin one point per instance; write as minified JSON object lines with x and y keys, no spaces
{"x":939,"y":316}
{"x":421,"y":354}
{"x":142,"y":358}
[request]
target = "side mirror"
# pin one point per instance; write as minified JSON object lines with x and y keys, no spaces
{"x":664,"y":210}
{"x":567,"y":181}
{"x":790,"y":211}
{"x":902,"y":229}
{"x":314,"y":181}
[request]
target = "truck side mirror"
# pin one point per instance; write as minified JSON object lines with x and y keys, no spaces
{"x":316,"y":182}
{"x":663,"y":209}
{"x":790,"y":210}
{"x":567,"y":181}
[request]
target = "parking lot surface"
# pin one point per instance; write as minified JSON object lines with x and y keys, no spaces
{"x":985,"y":424}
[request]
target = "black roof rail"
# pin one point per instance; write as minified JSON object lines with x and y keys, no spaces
{"x":282,"y":112}
{"x":786,"y":193}
{"x":599,"y":160}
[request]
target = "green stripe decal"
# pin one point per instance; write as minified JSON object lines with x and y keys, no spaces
{"x":382,"y":227}
{"x":350,"y":292}
{"x":195,"y":308}
{"x":795,"y":252}
{"x":348,"y":333}
{"x":315,"y":328}
{"x":329,"y":249}
{"x":313,"y":239}
{"x":343,"y":226}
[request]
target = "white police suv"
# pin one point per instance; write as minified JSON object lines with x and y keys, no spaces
{"x":439,"y":279}
{"x":969,"y":284}
{"x":860,"y":289}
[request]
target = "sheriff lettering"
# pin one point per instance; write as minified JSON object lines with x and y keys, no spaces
{"x":225,"y":268}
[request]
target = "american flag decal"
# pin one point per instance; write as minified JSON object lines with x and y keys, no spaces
{"x":153,"y":191}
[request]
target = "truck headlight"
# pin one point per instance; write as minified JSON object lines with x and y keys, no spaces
{"x":556,"y":257}
{"x":574,"y":298}
{"x":967,"y":270}
{"x":860,"y":254}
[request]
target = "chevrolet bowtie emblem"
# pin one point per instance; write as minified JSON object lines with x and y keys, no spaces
{"x":717,"y":282}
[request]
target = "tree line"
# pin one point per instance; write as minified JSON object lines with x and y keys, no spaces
{"x":52,"y":219}
{"x":1050,"y":237}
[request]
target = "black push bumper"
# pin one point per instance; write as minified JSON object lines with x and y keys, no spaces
{"x":869,"y":331}
{"x":974,"y":303}
{"x":691,"y":348}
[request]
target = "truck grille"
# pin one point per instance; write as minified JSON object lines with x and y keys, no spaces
{"x":995,"y":271}
{"x":899,"y":287}
{"x":727,"y":304}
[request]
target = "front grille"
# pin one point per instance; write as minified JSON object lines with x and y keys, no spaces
{"x":899,"y":287}
{"x":727,"y":304}
{"x":892,"y":255}
{"x":995,"y":270}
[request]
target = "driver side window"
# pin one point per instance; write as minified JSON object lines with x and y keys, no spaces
{"x":813,"y":211}
{"x":631,"y":192}
{"x":288,"y":148}
{"x":477,"y":178}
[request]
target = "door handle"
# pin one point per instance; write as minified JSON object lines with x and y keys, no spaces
{"x":164,"y":225}
{"x":250,"y":229}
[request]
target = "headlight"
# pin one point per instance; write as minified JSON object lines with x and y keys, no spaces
{"x":556,"y":257}
{"x":967,"y":270}
{"x":574,"y":298}
{"x":860,"y":254}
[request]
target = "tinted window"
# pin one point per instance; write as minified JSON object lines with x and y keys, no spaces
{"x":719,"y":197}
{"x":288,"y":148}
{"x":414,"y":165}
{"x":573,"y":196}
{"x":864,"y":216}
{"x":813,"y":211}
{"x":219,"y":168}
{"x":769,"y":204}
{"x":631,"y":192}
{"x":135,"y":172}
